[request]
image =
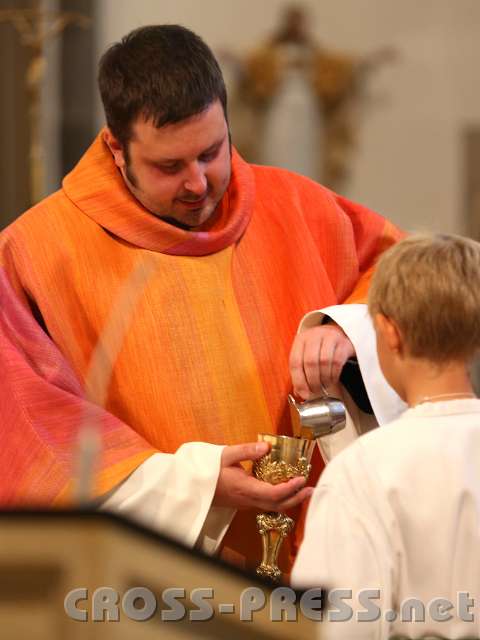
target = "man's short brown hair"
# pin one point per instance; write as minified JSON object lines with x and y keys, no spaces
{"x":163,"y":73}
{"x":429,"y":285}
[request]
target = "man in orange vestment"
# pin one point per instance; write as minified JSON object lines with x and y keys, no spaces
{"x":155,"y":298}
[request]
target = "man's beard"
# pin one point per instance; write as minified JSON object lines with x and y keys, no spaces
{"x":131,"y":177}
{"x":132,"y":180}
{"x":176,"y":223}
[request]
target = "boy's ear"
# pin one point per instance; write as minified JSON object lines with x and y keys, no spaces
{"x":390,"y":332}
{"x":115,"y":147}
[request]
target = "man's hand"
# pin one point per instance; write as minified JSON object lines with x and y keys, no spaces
{"x":240,"y":490}
{"x":316,"y":360}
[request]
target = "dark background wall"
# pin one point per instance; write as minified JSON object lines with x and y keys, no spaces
{"x":77,"y":70}
{"x":14,"y":133}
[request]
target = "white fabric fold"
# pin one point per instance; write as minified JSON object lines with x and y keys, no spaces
{"x":357,"y":324}
{"x":173,"y":494}
{"x":356,"y":423}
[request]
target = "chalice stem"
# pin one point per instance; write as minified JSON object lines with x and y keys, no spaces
{"x":273,"y":528}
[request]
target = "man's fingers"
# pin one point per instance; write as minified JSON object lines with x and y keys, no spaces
{"x":238,"y":489}
{"x":341,"y":355}
{"x":327,"y":354}
{"x":297,"y":372}
{"x":311,"y":364}
{"x":280,"y":496}
{"x":284,"y":490}
{"x":239,"y":452}
{"x":317,"y":359}
{"x":290,"y":501}
{"x":296,"y":499}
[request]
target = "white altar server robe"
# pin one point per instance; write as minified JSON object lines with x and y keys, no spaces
{"x":399,"y":511}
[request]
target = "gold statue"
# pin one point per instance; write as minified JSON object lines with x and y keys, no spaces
{"x":36,"y":27}
{"x":317,"y":89}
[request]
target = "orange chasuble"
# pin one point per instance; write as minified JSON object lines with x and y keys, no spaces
{"x":162,"y":336}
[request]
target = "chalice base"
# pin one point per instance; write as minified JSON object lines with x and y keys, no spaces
{"x":273,"y":528}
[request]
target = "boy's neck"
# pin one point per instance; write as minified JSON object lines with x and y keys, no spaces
{"x":427,"y":381}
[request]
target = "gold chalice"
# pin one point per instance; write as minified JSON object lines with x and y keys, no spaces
{"x":288,"y":458}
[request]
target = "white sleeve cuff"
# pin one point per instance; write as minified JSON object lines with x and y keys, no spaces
{"x":215,"y":527}
{"x":173,"y":493}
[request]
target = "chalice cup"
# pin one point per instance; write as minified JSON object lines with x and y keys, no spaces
{"x":288,"y":458}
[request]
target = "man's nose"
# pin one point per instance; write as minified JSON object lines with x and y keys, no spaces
{"x":196,"y":181}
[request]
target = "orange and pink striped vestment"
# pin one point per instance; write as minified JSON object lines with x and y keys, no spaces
{"x":159,"y":335}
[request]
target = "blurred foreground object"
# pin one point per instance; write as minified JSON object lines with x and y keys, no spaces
{"x":52,"y":563}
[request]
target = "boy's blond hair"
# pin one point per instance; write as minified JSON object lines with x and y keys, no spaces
{"x":429,"y":285}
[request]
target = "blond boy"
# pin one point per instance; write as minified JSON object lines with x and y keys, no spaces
{"x":398,"y":511}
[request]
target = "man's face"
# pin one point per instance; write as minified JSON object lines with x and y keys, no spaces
{"x":179,"y":171}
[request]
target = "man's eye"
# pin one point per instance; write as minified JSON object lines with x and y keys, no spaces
{"x":173,"y":168}
{"x":208,"y":157}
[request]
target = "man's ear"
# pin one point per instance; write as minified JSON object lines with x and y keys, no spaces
{"x":115,"y":147}
{"x":391,"y":334}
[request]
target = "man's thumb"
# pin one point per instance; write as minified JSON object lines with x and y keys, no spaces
{"x":240,"y":452}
